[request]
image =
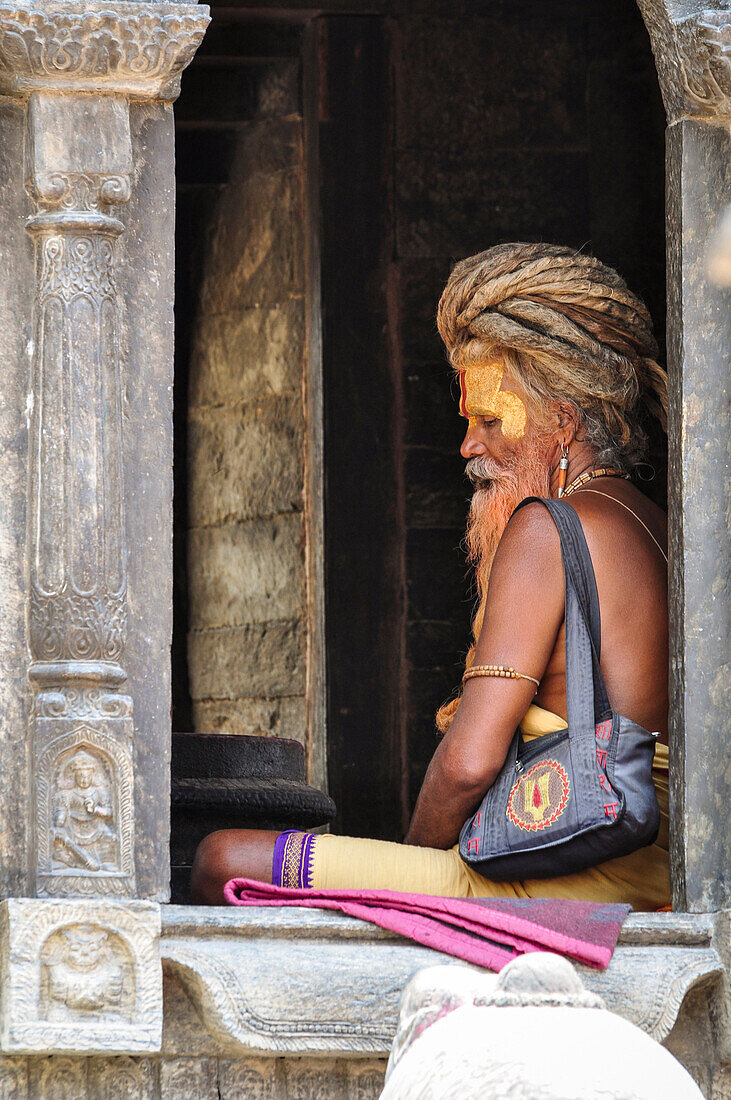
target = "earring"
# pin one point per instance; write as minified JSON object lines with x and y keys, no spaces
{"x":562,"y":468}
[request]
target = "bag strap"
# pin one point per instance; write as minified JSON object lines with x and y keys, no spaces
{"x":586,"y":694}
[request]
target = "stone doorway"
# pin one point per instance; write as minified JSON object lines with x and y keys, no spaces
{"x":330,"y":170}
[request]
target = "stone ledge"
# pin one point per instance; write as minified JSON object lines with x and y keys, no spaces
{"x":307,"y":982}
{"x":85,"y":977}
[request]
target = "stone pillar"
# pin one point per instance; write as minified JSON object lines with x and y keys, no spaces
{"x":693,"y":54}
{"x":99,"y":756}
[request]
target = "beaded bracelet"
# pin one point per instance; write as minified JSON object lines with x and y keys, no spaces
{"x":497,"y":670}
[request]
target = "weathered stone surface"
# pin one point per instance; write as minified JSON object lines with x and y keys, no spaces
{"x":309,"y":1080}
{"x":58,"y":1078}
{"x":306,"y":982}
{"x":16,"y":348}
{"x":690,"y":42}
{"x":243,"y":356}
{"x":139,"y":52}
{"x":249,"y":572}
{"x":248,"y":1079}
{"x":147,"y":285}
{"x":80,"y":976}
{"x":188,"y":1079}
{"x":115,"y":1078}
{"x":720,"y":1083}
{"x":254,"y":252}
{"x":365,"y":1079}
{"x":264,"y":659}
{"x":699,"y":338}
{"x":245,"y":461}
{"x":14,"y":1078}
{"x":285,"y":716}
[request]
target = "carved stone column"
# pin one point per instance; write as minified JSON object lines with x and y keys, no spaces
{"x":76,"y":67}
{"x":692,"y":48}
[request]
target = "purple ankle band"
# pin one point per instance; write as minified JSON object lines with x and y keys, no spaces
{"x":292,"y":859}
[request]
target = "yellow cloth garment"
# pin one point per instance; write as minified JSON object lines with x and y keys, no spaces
{"x":641,"y":878}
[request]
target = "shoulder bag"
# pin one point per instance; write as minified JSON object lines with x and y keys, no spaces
{"x":571,"y":799}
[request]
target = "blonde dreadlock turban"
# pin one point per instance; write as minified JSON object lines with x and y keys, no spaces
{"x":568,"y":326}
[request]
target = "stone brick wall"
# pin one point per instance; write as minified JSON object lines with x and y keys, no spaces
{"x":242,"y":231}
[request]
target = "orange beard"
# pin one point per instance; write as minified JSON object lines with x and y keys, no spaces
{"x":499,"y":490}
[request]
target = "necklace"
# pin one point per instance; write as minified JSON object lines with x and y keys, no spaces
{"x":589,"y":475}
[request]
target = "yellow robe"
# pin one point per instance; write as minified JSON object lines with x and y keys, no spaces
{"x":641,"y":878}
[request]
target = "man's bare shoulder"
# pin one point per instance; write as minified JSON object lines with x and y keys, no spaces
{"x":530,"y":547}
{"x":627,"y":512}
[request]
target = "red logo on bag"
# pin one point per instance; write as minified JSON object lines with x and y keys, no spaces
{"x":473,"y":845}
{"x":539,"y":797}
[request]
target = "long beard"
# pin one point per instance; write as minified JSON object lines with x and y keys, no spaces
{"x":499,"y":490}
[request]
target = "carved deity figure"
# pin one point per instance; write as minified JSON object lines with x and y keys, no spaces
{"x":83,"y":818}
{"x":83,"y":976}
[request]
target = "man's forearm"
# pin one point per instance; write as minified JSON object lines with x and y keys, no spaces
{"x":443,"y":806}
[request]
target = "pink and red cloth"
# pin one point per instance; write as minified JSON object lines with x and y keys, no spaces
{"x":486,"y":931}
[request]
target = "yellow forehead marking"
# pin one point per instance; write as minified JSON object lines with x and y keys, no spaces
{"x":482,"y":396}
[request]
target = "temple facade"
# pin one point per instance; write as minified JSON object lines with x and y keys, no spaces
{"x":330,"y":167}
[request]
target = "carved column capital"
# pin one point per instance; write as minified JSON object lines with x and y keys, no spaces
{"x":693,"y":56}
{"x":135,"y":50}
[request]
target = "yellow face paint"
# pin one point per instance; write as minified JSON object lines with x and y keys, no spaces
{"x":481,"y":396}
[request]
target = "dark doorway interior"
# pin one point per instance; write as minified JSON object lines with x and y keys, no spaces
{"x":435,"y":134}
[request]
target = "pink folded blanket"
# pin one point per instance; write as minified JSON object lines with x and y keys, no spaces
{"x":486,"y":931}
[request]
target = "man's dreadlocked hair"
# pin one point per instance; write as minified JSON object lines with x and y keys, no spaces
{"x":566,"y":326}
{"x":568,"y":329}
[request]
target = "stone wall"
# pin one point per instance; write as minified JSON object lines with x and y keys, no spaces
{"x":242,"y":230}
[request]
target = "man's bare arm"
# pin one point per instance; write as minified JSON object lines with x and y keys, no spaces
{"x":524,"y":612}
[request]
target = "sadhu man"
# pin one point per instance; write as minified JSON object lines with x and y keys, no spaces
{"x":556,"y":360}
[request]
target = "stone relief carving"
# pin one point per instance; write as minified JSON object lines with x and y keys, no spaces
{"x":84,"y":830}
{"x":59,"y":1079}
{"x":229,"y":979}
{"x":704,"y":51}
{"x":188,"y":1079}
{"x":79,"y":190}
{"x":121,"y":1079}
{"x":13,"y":1079}
{"x":367,"y":1085}
{"x":82,"y":703}
{"x":255,"y":1079}
{"x":77,"y":607}
{"x":81,"y":976}
{"x":140,"y":50}
{"x":85,"y":814}
{"x":693,"y":58}
{"x":86,"y":969}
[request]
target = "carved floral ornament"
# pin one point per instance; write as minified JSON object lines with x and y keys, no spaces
{"x":134,"y":49}
{"x":693,"y":57}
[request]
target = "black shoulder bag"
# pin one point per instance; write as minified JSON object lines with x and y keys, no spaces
{"x":580,"y":796}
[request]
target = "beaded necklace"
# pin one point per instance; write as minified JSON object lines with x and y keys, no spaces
{"x":589,"y":475}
